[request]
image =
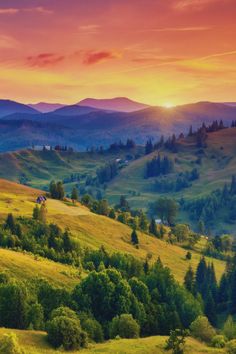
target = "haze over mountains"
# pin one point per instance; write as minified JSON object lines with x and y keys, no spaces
{"x":82,"y":126}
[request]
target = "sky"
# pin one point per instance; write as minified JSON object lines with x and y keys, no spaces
{"x":161,"y":52}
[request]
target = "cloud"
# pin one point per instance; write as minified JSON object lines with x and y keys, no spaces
{"x":178,"y":29}
{"x":156,"y":59}
{"x":8,"y":11}
{"x":14,"y":11}
{"x":90,"y":29}
{"x":7,"y":42}
{"x":195,"y":4}
{"x":97,"y":57}
{"x":44,"y":59}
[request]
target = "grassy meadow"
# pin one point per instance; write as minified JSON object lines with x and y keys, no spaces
{"x":94,"y":230}
{"x":35,"y":343}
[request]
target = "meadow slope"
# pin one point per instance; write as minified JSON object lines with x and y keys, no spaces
{"x":94,"y":230}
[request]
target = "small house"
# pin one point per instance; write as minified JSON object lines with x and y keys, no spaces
{"x":41,"y":199}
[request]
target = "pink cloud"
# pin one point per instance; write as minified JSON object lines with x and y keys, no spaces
{"x":8,"y":11}
{"x":97,"y":57}
{"x":44,"y":59}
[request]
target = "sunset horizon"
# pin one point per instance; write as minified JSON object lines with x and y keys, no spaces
{"x":155,"y":52}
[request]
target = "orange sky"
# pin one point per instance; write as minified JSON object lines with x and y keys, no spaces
{"x":155,"y":51}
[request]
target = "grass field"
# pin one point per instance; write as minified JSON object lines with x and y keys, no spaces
{"x":93,"y":230}
{"x":35,"y":343}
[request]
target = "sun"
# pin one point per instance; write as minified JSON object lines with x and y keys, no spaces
{"x":168,"y":105}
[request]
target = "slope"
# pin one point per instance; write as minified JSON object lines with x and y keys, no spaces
{"x":93,"y":230}
{"x":35,"y":343}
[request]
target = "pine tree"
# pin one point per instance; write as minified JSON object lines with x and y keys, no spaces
{"x":74,"y":194}
{"x":153,"y":228}
{"x":189,"y":280}
{"x":134,"y":237}
{"x":210,"y":308}
{"x":201,"y":275}
{"x":36,"y":212}
{"x":10,"y":223}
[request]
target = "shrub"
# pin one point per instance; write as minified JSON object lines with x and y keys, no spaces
{"x":124,"y":326}
{"x":202,"y":329}
{"x":64,"y":311}
{"x":231,"y":347}
{"x":94,"y":329}
{"x":176,"y":341}
{"x":218,"y":341}
{"x":9,"y":344}
{"x":229,"y":328}
{"x":65,"y":331}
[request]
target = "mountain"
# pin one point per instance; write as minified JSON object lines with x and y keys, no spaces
{"x":8,"y":107}
{"x":103,"y":128}
{"x":74,"y":110}
{"x":45,"y":107}
{"x":233,"y":104}
{"x":120,"y":104}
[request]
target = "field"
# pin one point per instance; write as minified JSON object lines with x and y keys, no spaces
{"x":35,"y":343}
{"x":93,"y":230}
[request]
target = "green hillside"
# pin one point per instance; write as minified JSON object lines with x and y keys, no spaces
{"x":94,"y":230}
{"x":35,"y":343}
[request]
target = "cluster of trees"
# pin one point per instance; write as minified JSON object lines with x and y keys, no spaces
{"x":209,"y":208}
{"x":166,"y":209}
{"x":107,"y":172}
{"x":56,"y":190}
{"x":183,"y":180}
{"x":159,"y":166}
{"x":130,"y":144}
{"x":220,"y":246}
{"x":217,"y":299}
{"x":170,"y":144}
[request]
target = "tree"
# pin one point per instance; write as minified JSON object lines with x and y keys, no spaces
{"x":176,"y":341}
{"x":13,"y":316}
{"x":153,"y":228}
{"x":202,"y":329}
{"x":229,"y":328}
{"x":134,"y":237}
{"x":189,"y":280}
{"x":143,"y":222}
{"x":9,"y":344}
{"x":35,"y":317}
{"x":124,"y":326}
{"x":74,"y":194}
{"x":36,"y":212}
{"x":10,"y":223}
{"x":65,"y":331}
{"x":93,"y":329}
{"x":112,"y":214}
{"x":166,"y":209}
{"x":43,"y":214}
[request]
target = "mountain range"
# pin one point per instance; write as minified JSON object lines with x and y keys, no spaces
{"x":81,"y":126}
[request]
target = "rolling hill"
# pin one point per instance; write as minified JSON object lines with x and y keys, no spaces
{"x":8,"y":107}
{"x":45,"y":107}
{"x":93,"y":230}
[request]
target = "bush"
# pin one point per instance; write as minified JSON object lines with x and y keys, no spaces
{"x":65,"y":331}
{"x":218,"y":341}
{"x":124,"y":326}
{"x":94,"y":330}
{"x":9,"y":344}
{"x":231,"y":347}
{"x":202,"y":329}
{"x":64,"y":311}
{"x":229,"y":328}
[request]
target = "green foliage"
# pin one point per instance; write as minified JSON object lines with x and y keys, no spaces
{"x":56,"y":190}
{"x":176,"y":341}
{"x":66,"y":331}
{"x":166,"y":209}
{"x":134,"y":237}
{"x":93,"y":329}
{"x":231,"y":347}
{"x":124,"y":326}
{"x":9,"y":344}
{"x":63,"y":311}
{"x":202,"y":329}
{"x":35,"y":317}
{"x":74,"y":194}
{"x":218,"y":341}
{"x":229,"y":328}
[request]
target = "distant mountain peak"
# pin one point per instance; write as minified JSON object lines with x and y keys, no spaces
{"x":45,"y":107}
{"x":120,"y":104}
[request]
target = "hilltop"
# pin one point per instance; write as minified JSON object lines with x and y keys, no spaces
{"x":93,"y":230}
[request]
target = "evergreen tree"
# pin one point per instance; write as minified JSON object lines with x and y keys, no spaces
{"x":189,"y":280}
{"x":153,"y":228}
{"x":134,"y":237}
{"x":36,"y":213}
{"x":43,"y":214}
{"x":74,"y":194}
